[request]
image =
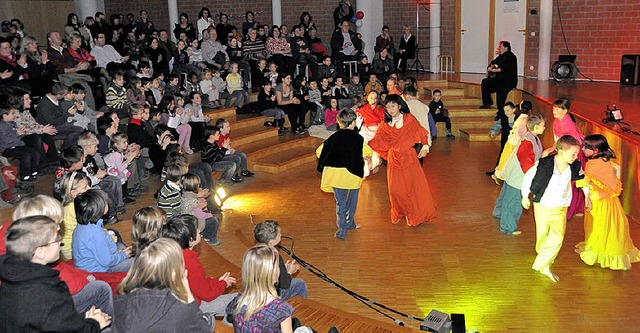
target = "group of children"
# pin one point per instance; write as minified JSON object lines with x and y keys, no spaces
{"x":562,"y":185}
{"x":44,"y":292}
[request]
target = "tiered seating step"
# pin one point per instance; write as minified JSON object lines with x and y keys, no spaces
{"x":286,"y":155}
{"x":243,"y":135}
{"x":469,"y":111}
{"x":220,"y":113}
{"x":462,"y":101}
{"x":446,"y":92}
{"x":245,"y":120}
{"x":477,"y":135}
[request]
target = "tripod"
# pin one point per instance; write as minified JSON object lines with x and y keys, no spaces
{"x":416,"y":62}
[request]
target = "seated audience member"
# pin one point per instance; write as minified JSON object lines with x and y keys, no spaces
{"x":213,"y":52}
{"x":207,"y":291}
{"x":11,"y":145}
{"x":88,"y":290}
{"x":155,"y":295}
{"x":33,"y":296}
{"x":214,"y":155}
{"x":383,"y":64}
{"x":12,"y":67}
{"x":373,"y":84}
{"x":107,"y":127}
{"x":136,"y":130}
{"x":259,"y":307}
{"x":170,"y":194}
{"x":345,"y":46}
{"x":121,"y":162}
{"x":117,"y":96}
{"x":194,"y":203}
{"x":384,"y":41}
{"x":238,"y":157}
{"x":93,"y":248}
{"x":37,"y":69}
{"x":50,"y":112}
{"x":268,"y":233}
{"x":146,"y":226}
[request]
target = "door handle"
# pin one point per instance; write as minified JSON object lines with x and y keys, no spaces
{"x":463,"y":30}
{"x":522,"y":30}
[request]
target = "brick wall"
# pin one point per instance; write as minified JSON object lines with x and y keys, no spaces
{"x":598,"y":31}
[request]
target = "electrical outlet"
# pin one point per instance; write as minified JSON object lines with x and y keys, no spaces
{"x":531,"y":68}
{"x":533,"y":33}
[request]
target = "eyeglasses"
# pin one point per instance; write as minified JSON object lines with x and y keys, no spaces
{"x":58,"y":240}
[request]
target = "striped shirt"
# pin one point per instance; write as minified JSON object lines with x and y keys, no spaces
{"x":170,"y":198}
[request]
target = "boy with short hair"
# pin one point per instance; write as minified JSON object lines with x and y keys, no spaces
{"x":268,"y":232}
{"x":373,"y":84}
{"x":341,"y":93}
{"x":11,"y":145}
{"x":439,"y":113}
{"x":85,"y":117}
{"x":213,"y":154}
{"x":550,"y":182}
{"x":116,"y":98}
{"x":106,"y":128}
{"x":207,"y":291}
{"x":50,"y":112}
{"x":327,"y":70}
{"x":238,"y":157}
{"x":169,"y":196}
{"x":33,"y":296}
{"x":315,"y":97}
{"x":341,"y":159}
{"x":356,"y":90}
{"x":173,"y":87}
{"x":508,"y":206}
{"x":98,"y":177}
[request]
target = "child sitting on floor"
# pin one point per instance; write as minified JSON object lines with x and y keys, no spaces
{"x":194,"y":203}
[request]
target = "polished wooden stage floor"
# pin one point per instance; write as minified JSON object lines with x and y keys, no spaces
{"x":460,"y":263}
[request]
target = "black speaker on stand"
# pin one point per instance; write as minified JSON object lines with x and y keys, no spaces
{"x":630,"y":69}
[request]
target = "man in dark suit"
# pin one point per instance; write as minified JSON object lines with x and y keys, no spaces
{"x":502,"y":76}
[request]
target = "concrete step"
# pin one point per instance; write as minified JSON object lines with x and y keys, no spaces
{"x":286,"y":160}
{"x":249,"y":134}
{"x":471,"y":122}
{"x":476,"y":135}
{"x":435,"y":84}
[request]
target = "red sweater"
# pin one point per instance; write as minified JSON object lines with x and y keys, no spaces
{"x":202,"y":287}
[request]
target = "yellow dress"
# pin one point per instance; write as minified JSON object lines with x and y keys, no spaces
{"x":607,"y":239}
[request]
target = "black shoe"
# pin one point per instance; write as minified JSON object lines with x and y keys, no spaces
{"x":269,"y":123}
{"x":120,"y":210}
{"x":489,"y":173}
{"x":111,"y":220}
{"x":247,"y":173}
{"x":486,"y":106}
{"x":128,"y":200}
{"x":236,"y":179}
{"x":132,"y":193}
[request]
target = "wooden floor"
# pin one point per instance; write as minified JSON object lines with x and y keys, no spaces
{"x":460,"y":263}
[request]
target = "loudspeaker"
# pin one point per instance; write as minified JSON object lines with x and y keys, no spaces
{"x":630,"y":69}
{"x":457,"y":323}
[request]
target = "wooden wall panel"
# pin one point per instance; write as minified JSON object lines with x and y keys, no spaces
{"x":39,"y":16}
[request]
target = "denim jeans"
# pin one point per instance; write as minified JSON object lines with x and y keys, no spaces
{"x":95,"y":293}
{"x":228,"y":169}
{"x":239,"y":158}
{"x":210,"y":231}
{"x":346,"y":202}
{"x":203,"y":171}
{"x":297,"y":288}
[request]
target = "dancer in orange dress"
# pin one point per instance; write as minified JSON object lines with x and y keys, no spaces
{"x":395,"y":141}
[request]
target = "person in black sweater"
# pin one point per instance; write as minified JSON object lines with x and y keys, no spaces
{"x":213,"y":154}
{"x":502,"y":76}
{"x":34,"y":299}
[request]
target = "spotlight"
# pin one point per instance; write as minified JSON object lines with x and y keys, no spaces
{"x":436,"y":322}
{"x":220,"y":196}
{"x":565,"y":70}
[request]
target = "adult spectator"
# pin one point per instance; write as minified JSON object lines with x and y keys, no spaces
{"x":213,"y":52}
{"x":165,"y":43}
{"x":158,"y":58}
{"x":12,"y":68}
{"x":107,"y":57}
{"x":248,"y":23}
{"x":186,"y":27}
{"x":73,"y":26}
{"x":117,"y":40}
{"x":49,"y":112}
{"x":100,"y":25}
{"x":344,"y":12}
{"x":181,"y":63}
{"x":502,"y":76}
{"x":302,"y":51}
{"x":223,"y":28}
{"x":345,"y":46}
{"x":204,"y":21}
{"x":320,"y":49}
{"x":306,"y":21}
{"x":37,"y":69}
{"x":81,"y":55}
{"x":385,"y":41}
{"x":143,"y":25}
{"x":406,"y":49}
{"x":279,"y":51}
{"x":382,"y":65}
{"x":253,"y":50}
{"x":59,"y":62}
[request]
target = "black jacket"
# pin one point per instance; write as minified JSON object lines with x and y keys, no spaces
{"x":343,"y":149}
{"x":508,"y":64}
{"x":153,"y":310}
{"x":337,"y":40}
{"x":35,"y":300}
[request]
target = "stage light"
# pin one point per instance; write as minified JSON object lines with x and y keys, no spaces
{"x":220,"y":196}
{"x":565,"y":70}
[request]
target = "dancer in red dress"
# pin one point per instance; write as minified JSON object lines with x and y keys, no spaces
{"x":395,"y":141}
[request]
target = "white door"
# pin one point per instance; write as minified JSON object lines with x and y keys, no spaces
{"x":474,"y":41}
{"x":510,"y":25}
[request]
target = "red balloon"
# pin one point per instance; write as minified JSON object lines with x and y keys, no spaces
{"x":360,"y":15}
